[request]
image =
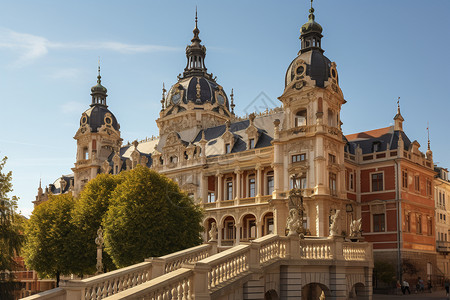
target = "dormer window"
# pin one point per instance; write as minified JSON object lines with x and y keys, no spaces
{"x":300,"y":118}
{"x":251,"y":144}
{"x":376,"y":146}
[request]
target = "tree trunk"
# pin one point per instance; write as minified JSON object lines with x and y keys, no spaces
{"x":57,"y":278}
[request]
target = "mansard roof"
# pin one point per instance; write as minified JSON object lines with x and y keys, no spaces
{"x":382,"y":136}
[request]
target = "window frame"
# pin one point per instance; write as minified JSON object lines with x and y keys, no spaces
{"x":378,"y":181}
{"x":381,"y":217}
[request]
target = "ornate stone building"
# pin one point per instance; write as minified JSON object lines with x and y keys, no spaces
{"x":242,"y":169}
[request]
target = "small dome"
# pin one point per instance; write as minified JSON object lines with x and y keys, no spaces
{"x":311,"y":25}
{"x":97,"y":116}
{"x":198,"y":90}
{"x":311,"y":63}
{"x":99,"y":88}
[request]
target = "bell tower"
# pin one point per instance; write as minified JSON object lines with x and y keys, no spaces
{"x":98,"y":137}
{"x":309,"y":144}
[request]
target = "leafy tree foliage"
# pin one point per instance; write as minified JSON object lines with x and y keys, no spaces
{"x":384,"y":272}
{"x":11,"y":237}
{"x":88,"y":214}
{"x":149,"y":216}
{"x":50,"y":244}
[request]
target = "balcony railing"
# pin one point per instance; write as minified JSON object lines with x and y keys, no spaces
{"x":443,"y":246}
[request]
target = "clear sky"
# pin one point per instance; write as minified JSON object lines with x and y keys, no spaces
{"x":49,"y":50}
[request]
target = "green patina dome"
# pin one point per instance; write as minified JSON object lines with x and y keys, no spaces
{"x":311,"y":25}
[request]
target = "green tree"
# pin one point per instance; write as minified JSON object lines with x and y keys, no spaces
{"x":11,"y":237}
{"x":149,"y":216}
{"x":88,"y":214}
{"x":50,"y":238}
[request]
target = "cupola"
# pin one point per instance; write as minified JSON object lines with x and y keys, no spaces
{"x":98,"y":92}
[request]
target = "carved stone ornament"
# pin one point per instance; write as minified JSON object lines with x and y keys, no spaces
{"x":335,"y":224}
{"x":293,"y":222}
{"x":212,"y":232}
{"x":355,"y":228}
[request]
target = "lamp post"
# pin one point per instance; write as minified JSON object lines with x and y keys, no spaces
{"x":296,"y":201}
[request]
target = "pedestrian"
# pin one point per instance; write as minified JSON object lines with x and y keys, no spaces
{"x":420,"y":285}
{"x":447,"y":286}
{"x":406,"y":287}
{"x":398,"y":287}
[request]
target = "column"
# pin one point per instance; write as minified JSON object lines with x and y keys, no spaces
{"x":258,"y":230}
{"x":219,"y":235}
{"x":258,"y":180}
{"x":219,"y":186}
{"x":204,"y":187}
{"x":238,"y":173}
{"x":238,"y":233}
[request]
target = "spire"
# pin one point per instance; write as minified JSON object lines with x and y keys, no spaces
{"x":311,"y":33}
{"x":232,"y":105}
{"x":98,"y":91}
{"x":429,"y":153}
{"x":163,"y":100}
{"x":428,"y":131}
{"x":398,"y":118}
{"x":195,"y":54}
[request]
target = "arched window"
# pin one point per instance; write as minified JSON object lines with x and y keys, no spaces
{"x":300,"y":118}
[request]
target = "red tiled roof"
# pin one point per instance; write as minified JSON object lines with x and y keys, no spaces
{"x":376,"y":133}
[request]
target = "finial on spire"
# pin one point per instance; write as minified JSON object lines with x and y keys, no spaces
{"x":196,"y":31}
{"x":398,"y":105}
{"x":196,"y":19}
{"x":163,"y":100}
{"x":98,"y":76}
{"x":311,"y":11}
{"x":232,"y":105}
{"x":428,"y":131}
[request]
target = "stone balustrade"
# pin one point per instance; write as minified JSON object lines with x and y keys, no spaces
{"x":272,"y":247}
{"x":227,"y":264}
{"x":198,"y":272}
{"x":356,"y":251}
{"x":317,"y":248}
{"x":174,"y":285}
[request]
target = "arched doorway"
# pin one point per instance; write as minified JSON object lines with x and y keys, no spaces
{"x":271,"y":295}
{"x":314,"y":290}
{"x":228,"y":231}
{"x":358,"y":291}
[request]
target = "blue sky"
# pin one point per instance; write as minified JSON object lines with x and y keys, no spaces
{"x":49,"y":52}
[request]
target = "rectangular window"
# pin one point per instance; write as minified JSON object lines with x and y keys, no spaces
{"x":408,"y":223}
{"x":351,"y":181}
{"x":298,"y":157}
{"x":405,"y":179}
{"x":270,"y":185}
{"x":332,"y":183}
{"x":252,"y":143}
{"x":229,"y":190}
{"x":417,"y":183}
{"x":428,"y":187}
{"x":251,"y":187}
{"x":302,"y":182}
{"x":378,"y":223}
{"x":429,"y":226}
{"x":419,"y":224}
{"x":227,"y":148}
{"x":211,"y":197}
{"x":331,"y":158}
{"x":377,"y":182}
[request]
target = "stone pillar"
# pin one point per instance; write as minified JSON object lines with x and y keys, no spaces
{"x":280,"y":214}
{"x":258,"y":229}
{"x":204,"y":187}
{"x":200,"y":286}
{"x":258,"y":180}
{"x":290,"y":282}
{"x":238,"y":233}
{"x":338,"y":282}
{"x":238,"y":183}
{"x":219,"y":234}
{"x":219,"y":187}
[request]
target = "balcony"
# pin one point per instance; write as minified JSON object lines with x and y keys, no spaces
{"x":442,"y":246}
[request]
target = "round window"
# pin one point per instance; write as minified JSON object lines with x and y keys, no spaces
{"x":108,"y":120}
{"x":83,"y":120}
{"x":333,"y":73}
{"x":300,"y":70}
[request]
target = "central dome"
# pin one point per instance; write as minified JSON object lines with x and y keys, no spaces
{"x":199,"y":90}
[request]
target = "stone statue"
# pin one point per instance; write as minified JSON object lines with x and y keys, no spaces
{"x":334,"y":226}
{"x":355,"y":228}
{"x":293,"y":222}
{"x":213,"y":232}
{"x":99,"y":241}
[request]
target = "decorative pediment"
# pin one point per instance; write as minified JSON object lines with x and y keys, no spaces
{"x":106,"y":168}
{"x":173,"y":139}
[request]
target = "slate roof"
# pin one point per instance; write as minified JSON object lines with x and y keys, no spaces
{"x":382,"y":136}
